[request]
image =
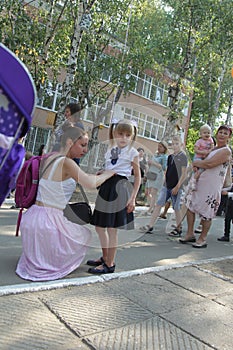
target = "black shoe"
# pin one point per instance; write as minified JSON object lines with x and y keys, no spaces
{"x":198,"y":229}
{"x":224,"y":239}
{"x":200,"y":245}
{"x":104,"y":269}
{"x":187,"y":240}
{"x":175,"y":233}
{"x":95,"y":262}
{"x":150,"y":230}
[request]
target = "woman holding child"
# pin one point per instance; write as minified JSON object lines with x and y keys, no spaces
{"x":206,"y":199}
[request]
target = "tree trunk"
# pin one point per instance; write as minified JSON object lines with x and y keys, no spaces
{"x":229,"y":114}
{"x":71,"y":65}
{"x":220,"y":85}
{"x":174,"y":113}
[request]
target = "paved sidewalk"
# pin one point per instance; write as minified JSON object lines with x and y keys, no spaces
{"x":164,"y":295}
{"x":170,"y":308}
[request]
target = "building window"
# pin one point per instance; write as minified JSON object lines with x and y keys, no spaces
{"x":148,"y":125}
{"x":35,"y":138}
{"x":146,"y":86}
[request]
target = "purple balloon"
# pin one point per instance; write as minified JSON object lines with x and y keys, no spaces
{"x":17,"y":103}
{"x":17,"y":94}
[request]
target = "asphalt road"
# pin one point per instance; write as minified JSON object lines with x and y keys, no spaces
{"x":135,"y":251}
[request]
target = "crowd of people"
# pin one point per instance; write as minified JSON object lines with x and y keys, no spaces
{"x":53,"y":246}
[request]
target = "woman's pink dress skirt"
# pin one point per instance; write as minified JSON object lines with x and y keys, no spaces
{"x":52,"y":246}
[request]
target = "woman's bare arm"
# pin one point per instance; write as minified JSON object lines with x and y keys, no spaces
{"x":91,"y":181}
{"x":220,"y":157}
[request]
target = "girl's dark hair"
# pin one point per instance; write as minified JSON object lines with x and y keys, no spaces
{"x":124,"y":125}
{"x":74,"y":107}
{"x":72,"y":132}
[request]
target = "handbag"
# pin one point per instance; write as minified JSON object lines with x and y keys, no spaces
{"x":79,"y":212}
{"x":228,"y":179}
{"x":151,"y":176}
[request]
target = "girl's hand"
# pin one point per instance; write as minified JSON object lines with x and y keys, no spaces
{"x":130,"y":205}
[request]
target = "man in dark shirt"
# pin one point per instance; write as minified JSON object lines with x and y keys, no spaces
{"x":175,"y":164}
{"x":175,"y":176}
{"x":228,"y":216}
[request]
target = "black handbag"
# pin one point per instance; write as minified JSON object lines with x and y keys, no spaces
{"x":79,"y":212}
{"x":151,"y":176}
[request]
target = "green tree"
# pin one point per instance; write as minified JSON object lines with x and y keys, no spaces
{"x":50,"y":39}
{"x":190,"y":41}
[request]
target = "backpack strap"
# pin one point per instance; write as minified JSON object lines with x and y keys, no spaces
{"x":55,"y":160}
{"x":83,"y":193}
{"x":18,"y":221}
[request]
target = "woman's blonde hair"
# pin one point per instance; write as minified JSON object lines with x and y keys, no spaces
{"x":123,"y":125}
{"x":72,"y":132}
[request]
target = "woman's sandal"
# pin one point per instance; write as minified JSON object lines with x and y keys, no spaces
{"x":187,"y":240}
{"x":200,"y":245}
{"x":162,"y":216}
{"x":149,"y":230}
{"x":104,"y":269}
{"x":146,"y":229}
{"x":98,"y":262}
{"x":198,"y":229}
{"x":175,"y":233}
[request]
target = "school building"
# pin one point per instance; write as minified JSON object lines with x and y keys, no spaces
{"x":147,"y":104}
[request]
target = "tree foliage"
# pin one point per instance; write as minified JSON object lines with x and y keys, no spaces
{"x":211,"y":54}
{"x":190,"y":39}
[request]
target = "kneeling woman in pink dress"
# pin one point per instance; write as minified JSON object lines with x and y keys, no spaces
{"x":53,"y":246}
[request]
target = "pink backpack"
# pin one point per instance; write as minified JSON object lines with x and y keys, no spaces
{"x":27,"y":183}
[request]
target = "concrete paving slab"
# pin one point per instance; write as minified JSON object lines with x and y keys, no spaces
{"x":209,"y":322}
{"x":155,"y":293}
{"x":208,"y":285}
{"x":225,"y":300}
{"x":26,"y":324}
{"x":94,"y":309}
{"x":224,"y":268}
{"x":151,"y":334}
